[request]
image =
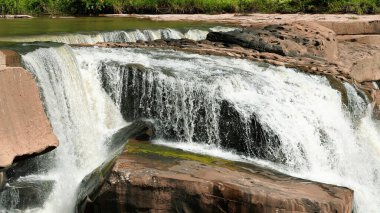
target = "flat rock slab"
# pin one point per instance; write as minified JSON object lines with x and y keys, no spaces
{"x":24,"y":127}
{"x":153,"y":178}
{"x":342,"y":24}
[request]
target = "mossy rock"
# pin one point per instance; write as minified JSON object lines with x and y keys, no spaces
{"x":155,"y":152}
{"x":164,"y":153}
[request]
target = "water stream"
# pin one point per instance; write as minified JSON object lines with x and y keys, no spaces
{"x":290,"y":121}
{"x":231,"y":108}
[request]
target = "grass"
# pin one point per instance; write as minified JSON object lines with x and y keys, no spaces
{"x":88,"y":7}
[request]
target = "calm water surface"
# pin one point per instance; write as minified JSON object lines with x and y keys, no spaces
{"x":39,"y":26}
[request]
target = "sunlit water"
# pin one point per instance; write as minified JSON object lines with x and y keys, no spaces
{"x":82,"y":117}
{"x":120,"y":36}
{"x":321,"y":138}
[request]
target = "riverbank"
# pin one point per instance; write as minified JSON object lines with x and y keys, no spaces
{"x":89,"y":7}
{"x":257,"y":19}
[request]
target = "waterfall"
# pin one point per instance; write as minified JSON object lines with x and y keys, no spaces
{"x":231,"y":108}
{"x":281,"y":118}
{"x":121,"y":36}
{"x":82,"y":116}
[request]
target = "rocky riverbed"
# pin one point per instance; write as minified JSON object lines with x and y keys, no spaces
{"x":342,"y":46}
{"x":149,"y":177}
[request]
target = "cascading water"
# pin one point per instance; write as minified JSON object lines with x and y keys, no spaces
{"x":82,"y":116}
{"x":122,"y":36}
{"x":303,"y":127}
{"x":278,"y":117}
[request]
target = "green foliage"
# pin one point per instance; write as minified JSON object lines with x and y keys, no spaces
{"x":88,"y":7}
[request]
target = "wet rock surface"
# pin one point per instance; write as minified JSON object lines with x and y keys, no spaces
{"x":145,"y":96}
{"x":139,"y":130}
{"x":152,"y":178}
{"x":25,"y":194}
{"x":3,"y":180}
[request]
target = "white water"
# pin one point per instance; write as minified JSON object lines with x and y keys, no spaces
{"x":121,"y":36}
{"x":321,"y":139}
{"x":82,"y":117}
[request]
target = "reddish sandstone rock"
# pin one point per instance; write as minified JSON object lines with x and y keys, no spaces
{"x":24,"y":128}
{"x":353,"y":27}
{"x":151,"y":178}
{"x":9,"y":58}
{"x":362,"y":60}
{"x":364,"y":39}
{"x":294,"y":40}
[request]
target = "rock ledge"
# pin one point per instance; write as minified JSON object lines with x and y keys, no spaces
{"x":25,"y":130}
{"x":153,"y":178}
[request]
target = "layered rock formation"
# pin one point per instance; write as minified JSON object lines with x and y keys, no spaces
{"x":296,"y":39}
{"x":152,"y":178}
{"x":310,"y":45}
{"x":24,"y":128}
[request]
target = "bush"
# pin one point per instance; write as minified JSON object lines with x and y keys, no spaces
{"x":87,"y":7}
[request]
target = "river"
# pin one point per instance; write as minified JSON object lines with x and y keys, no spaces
{"x":284,"y":119}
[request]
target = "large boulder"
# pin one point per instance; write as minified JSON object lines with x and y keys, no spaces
{"x":295,"y":39}
{"x":25,"y":130}
{"x":152,"y":178}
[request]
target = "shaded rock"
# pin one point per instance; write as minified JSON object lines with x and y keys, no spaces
{"x":138,"y":131}
{"x":376,"y":103}
{"x":296,"y":39}
{"x":338,"y":85}
{"x":37,"y":164}
{"x":91,"y":184}
{"x":151,"y":178}
{"x":24,"y":128}
{"x":247,"y":136}
{"x":9,"y":58}
{"x":3,"y":180}
{"x":25,"y":194}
